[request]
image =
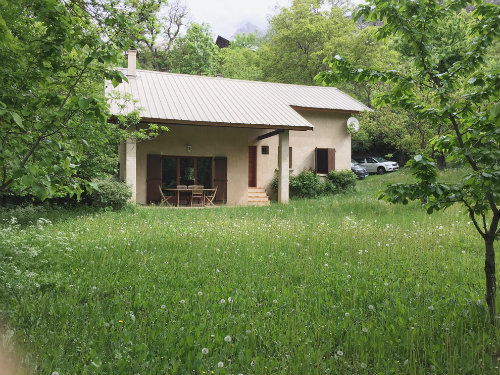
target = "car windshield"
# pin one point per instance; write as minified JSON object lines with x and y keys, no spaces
{"x":379,"y":160}
{"x":354,"y":162}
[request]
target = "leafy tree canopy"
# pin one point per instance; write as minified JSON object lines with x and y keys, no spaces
{"x":444,"y":86}
{"x":53,"y":114}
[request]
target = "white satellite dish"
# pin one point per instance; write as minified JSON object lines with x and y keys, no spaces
{"x":353,"y":124}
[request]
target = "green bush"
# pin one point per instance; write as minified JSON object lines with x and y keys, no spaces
{"x":306,"y":184}
{"x":340,"y":182}
{"x":110,"y":193}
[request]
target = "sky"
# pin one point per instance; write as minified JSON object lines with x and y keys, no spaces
{"x":225,"y":16}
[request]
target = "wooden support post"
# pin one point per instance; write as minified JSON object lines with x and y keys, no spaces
{"x":284,"y":176}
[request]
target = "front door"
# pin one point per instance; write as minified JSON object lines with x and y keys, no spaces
{"x":252,"y":166}
{"x":220,"y":179}
{"x":153,"y":178}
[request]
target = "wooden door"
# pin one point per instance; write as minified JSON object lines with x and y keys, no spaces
{"x":220,"y":179}
{"x":153,"y":179}
{"x":252,"y":166}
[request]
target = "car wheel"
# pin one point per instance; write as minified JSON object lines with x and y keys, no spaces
{"x":381,"y":170}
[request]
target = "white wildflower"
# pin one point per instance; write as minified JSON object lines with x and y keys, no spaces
{"x":222,"y":301}
{"x":227,"y":338}
{"x":204,"y":351}
{"x":340,"y":353}
{"x":220,"y":364}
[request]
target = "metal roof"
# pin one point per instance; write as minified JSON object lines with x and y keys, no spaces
{"x":182,"y":98}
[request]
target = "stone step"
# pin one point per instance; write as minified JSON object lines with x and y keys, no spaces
{"x":256,"y":190}
{"x":258,"y":199}
{"x":257,"y":196}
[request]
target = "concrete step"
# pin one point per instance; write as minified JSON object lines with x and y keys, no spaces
{"x":257,"y":197}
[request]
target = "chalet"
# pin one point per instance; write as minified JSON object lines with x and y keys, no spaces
{"x":231,"y":134}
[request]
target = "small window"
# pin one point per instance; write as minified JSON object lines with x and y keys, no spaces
{"x":265,"y":150}
{"x":290,"y":157}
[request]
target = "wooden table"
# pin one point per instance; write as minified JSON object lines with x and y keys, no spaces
{"x":188,"y":191}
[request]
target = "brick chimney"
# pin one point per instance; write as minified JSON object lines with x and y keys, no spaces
{"x":131,"y":71}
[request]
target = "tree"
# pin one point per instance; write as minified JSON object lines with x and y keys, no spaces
{"x":300,"y":38}
{"x":456,"y":92}
{"x":195,"y":52}
{"x":240,"y":62}
{"x":156,"y":33}
{"x":55,"y":56}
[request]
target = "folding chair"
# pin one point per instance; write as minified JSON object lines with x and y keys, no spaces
{"x":165,"y":199}
{"x":210,"y":196}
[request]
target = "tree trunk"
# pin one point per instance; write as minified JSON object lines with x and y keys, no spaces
{"x":489,"y":270}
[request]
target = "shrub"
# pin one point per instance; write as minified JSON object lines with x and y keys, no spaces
{"x":340,"y":181}
{"x":306,"y":184}
{"x":110,"y":193}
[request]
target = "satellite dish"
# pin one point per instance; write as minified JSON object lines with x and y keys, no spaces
{"x":353,"y":124}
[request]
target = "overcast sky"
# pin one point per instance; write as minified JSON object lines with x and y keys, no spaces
{"x":226,"y":16}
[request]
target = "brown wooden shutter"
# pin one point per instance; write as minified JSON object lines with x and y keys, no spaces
{"x":331,"y":159}
{"x":153,"y":178}
{"x":220,"y":178}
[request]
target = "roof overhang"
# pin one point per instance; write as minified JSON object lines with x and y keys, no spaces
{"x":220,"y":124}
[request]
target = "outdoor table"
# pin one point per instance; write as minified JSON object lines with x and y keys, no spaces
{"x":188,"y":191}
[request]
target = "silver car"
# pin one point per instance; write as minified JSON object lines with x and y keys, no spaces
{"x":375,"y":164}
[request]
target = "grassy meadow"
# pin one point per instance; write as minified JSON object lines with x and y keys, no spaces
{"x":343,"y":285}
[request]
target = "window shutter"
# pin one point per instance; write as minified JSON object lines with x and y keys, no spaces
{"x":331,"y":159}
{"x":290,"y":157}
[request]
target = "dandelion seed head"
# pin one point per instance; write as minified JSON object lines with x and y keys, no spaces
{"x":227,"y":338}
{"x":347,"y":314}
{"x":220,"y":364}
{"x":204,"y":351}
{"x":222,"y":301}
{"x":340,"y":353}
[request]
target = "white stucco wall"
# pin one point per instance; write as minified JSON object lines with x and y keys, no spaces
{"x":330,"y":131}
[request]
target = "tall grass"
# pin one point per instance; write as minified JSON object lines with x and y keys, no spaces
{"x":344,"y":284}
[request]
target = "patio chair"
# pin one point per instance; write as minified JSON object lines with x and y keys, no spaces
{"x":165,"y":199}
{"x":197,"y":194}
{"x":210,"y":196}
{"x":184,"y":197}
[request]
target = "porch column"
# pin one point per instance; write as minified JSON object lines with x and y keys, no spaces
{"x":130,"y":166}
{"x":284,"y":174}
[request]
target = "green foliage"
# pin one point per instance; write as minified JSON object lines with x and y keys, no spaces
{"x":142,"y":292}
{"x":110,"y":193}
{"x":55,"y":56}
{"x":240,"y":63}
{"x":300,"y":38}
{"x":341,"y":181}
{"x":307,"y":184}
{"x":445,"y":86}
{"x":195,"y":52}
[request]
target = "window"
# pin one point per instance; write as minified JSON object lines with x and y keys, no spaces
{"x":265,"y":150}
{"x":290,"y":157}
{"x":169,"y":172}
{"x":325,"y":160}
{"x":186,"y":171}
